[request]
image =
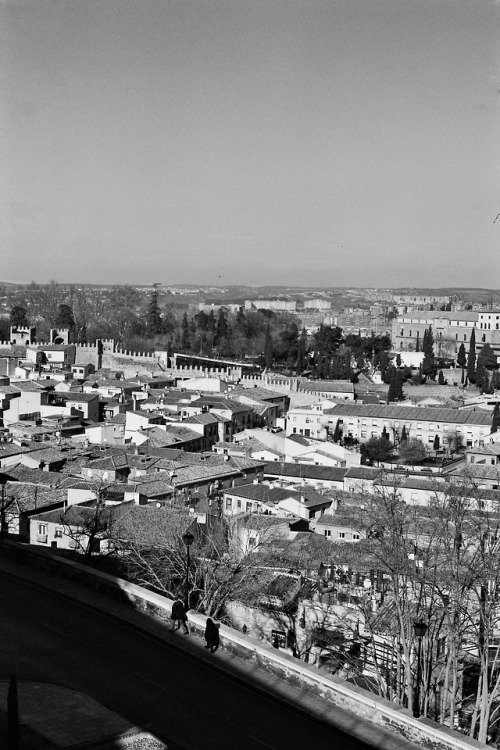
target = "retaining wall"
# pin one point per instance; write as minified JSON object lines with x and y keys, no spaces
{"x":326,"y":687}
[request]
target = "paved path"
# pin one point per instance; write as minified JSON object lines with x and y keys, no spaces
{"x":160,"y":681}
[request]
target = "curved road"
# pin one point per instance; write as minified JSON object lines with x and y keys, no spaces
{"x":45,"y":637}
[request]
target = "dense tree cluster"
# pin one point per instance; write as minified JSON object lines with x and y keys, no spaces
{"x":145,"y":321}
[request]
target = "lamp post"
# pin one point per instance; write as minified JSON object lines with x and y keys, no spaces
{"x":420,"y":629}
{"x":188,"y":539}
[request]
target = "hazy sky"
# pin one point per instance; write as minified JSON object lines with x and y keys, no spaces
{"x":334,"y":142}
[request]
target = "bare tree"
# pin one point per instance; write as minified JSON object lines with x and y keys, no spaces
{"x":221,"y":565}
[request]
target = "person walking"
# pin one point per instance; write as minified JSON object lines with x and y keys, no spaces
{"x":212,"y":635}
{"x":179,"y":616}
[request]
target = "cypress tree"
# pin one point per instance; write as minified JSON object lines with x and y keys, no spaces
{"x":337,"y":434}
{"x":222,"y":328}
{"x":153,"y":318}
{"x":471,"y":358}
{"x":462,"y":360}
{"x":12,"y":715}
{"x":495,"y":420}
{"x":428,"y":364}
{"x":404,"y":434}
{"x":461,"y":357}
{"x":417,"y":343}
{"x":268,"y":348}
{"x":185,"y":339}
{"x":392,"y":393}
{"x":399,"y":386}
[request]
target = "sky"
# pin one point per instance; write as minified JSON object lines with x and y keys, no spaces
{"x":297,"y":142}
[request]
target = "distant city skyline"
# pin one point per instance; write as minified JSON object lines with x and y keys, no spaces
{"x":327,"y":143}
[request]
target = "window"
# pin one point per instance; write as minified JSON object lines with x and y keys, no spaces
{"x":42,"y":528}
{"x":278,"y":638}
{"x":341,"y":534}
{"x":355,"y":536}
{"x":58,"y":533}
{"x":363,"y":434}
{"x":328,"y":533}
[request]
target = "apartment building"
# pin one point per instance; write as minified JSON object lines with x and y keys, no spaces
{"x":363,"y":421}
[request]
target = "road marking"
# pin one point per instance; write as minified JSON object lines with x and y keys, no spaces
{"x":151,"y":682}
{"x":260,"y":741}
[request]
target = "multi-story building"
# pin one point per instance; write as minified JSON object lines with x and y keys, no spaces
{"x":362,"y":421}
{"x":413,"y":299}
{"x":271,"y":304}
{"x":317,"y":304}
{"x":450,"y":329}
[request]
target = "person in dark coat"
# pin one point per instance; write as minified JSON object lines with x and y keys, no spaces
{"x":211,"y":635}
{"x":179,"y":616}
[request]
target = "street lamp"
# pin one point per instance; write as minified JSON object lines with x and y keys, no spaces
{"x":420,"y":629}
{"x":188,"y":539}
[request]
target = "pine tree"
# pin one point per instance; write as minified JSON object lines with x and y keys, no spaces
{"x":471,"y":358}
{"x":487,"y":357}
{"x":65,"y":318}
{"x":18,"y":317}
